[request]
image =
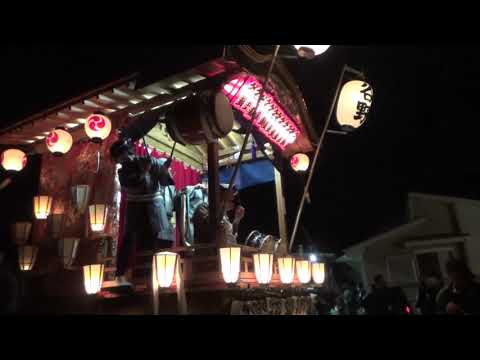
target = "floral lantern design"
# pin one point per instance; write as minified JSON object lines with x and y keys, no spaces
{"x":98,"y":127}
{"x":42,"y":205}
{"x":300,"y":162}
{"x":27,"y":256}
{"x":13,"y":160}
{"x":98,"y":217}
{"x":93,"y":278}
{"x":354,"y":104}
{"x":59,"y":142}
{"x":230,"y":261}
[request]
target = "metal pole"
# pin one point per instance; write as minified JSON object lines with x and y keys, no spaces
{"x":213,"y":190}
{"x":317,"y":152}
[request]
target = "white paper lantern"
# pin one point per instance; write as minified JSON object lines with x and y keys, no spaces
{"x":13,"y":160}
{"x":263,"y":264}
{"x":67,"y":250}
{"x":286,"y":268}
{"x":93,"y":278}
{"x":80,"y":197}
{"x":42,"y":205}
{"x":304,"y":271}
{"x":310,"y":51}
{"x":230,"y":261}
{"x":26,"y":257}
{"x":165,"y":266}
{"x":300,"y":162}
{"x":59,"y":142}
{"x":98,"y":127}
{"x":318,"y":273}
{"x":354,"y":104}
{"x":98,"y":217}
{"x":21,"y":232}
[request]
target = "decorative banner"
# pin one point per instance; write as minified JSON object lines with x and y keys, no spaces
{"x":274,"y":306}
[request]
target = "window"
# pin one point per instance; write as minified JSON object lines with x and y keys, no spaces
{"x":432,"y":262}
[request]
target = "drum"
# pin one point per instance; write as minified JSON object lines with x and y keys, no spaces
{"x":200,"y":119}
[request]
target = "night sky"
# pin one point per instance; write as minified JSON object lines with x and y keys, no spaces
{"x":420,"y":135}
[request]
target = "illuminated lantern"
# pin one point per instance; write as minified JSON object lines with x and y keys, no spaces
{"x":80,"y":197}
{"x":286,"y":267}
{"x":310,"y":51}
{"x":98,"y":127}
{"x":93,"y":278}
{"x":318,"y":273}
{"x":98,"y":217}
{"x":59,"y":142}
{"x":304,"y":271}
{"x":67,"y":250}
{"x":300,"y":162}
{"x":165,"y":265}
{"x":21,"y":232}
{"x":56,"y":225}
{"x":354,"y":104}
{"x":26,"y":257}
{"x":263,"y":264}
{"x":42,"y":205}
{"x":13,"y":160}
{"x":230,"y":260}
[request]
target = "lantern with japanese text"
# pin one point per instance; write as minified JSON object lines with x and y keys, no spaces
{"x":93,"y":278}
{"x":304,"y":271}
{"x":59,"y":141}
{"x":354,"y":104}
{"x":67,"y":250}
{"x":13,"y":160}
{"x":26,"y":257}
{"x":42,"y":205}
{"x":80,"y":197}
{"x":310,"y":51}
{"x":286,"y":268}
{"x":98,"y":217}
{"x":165,"y":265}
{"x":263,"y":264}
{"x":318,"y":273}
{"x":300,"y":162}
{"x":98,"y":127}
{"x":230,"y":261}
{"x":21,"y":232}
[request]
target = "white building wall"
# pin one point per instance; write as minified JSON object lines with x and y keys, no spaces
{"x":469,"y":221}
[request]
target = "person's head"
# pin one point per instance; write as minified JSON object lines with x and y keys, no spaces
{"x":121,"y":151}
{"x":379,"y":282}
{"x":459,"y":273}
{"x":228,"y":198}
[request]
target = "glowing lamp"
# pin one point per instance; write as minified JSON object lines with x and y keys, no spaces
{"x":165,"y":265}
{"x":80,"y":196}
{"x":286,"y":267}
{"x":59,"y":142}
{"x":263,"y":264}
{"x":13,"y":160}
{"x":98,"y":127}
{"x":98,"y":217}
{"x":93,"y":278}
{"x":354,"y":104}
{"x":21,"y":232}
{"x":67,"y":250}
{"x":310,"y":51}
{"x":304,"y":271}
{"x":26,"y":257}
{"x":230,"y":261}
{"x":300,"y":162}
{"x":318,"y":273}
{"x":42,"y":205}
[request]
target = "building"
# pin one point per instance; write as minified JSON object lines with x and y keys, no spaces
{"x":438,"y":227}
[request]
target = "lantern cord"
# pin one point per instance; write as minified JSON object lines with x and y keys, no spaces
{"x":249,"y":130}
{"x":317,"y":152}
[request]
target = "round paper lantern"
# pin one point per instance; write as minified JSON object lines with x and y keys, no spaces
{"x":67,"y":250}
{"x":80,"y":197}
{"x":318,"y":273}
{"x":304,"y":271}
{"x":230,"y":261}
{"x":21,"y":232}
{"x":93,"y":278}
{"x":286,"y":267}
{"x":263,"y":264}
{"x":165,"y":265}
{"x":42,"y":205}
{"x":354,"y":104}
{"x":310,"y":51}
{"x":26,"y":257}
{"x":98,"y":217}
{"x":300,"y":162}
{"x":59,"y":142}
{"x":13,"y":160}
{"x":98,"y":127}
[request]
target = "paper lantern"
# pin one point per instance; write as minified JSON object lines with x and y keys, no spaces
{"x":300,"y":162}
{"x":98,"y":127}
{"x":318,"y":273}
{"x":286,"y":267}
{"x":42,"y":205}
{"x":263,"y":264}
{"x":59,"y":141}
{"x":26,"y":257}
{"x":93,"y":278}
{"x":21,"y":232}
{"x":230,"y":261}
{"x":310,"y":51}
{"x":98,"y":217}
{"x":354,"y":104}
{"x":67,"y":250}
{"x":304,"y":271}
{"x":165,"y":265}
{"x":80,"y":197}
{"x":56,"y":222}
{"x":13,"y":160}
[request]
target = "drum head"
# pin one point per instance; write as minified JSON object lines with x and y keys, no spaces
{"x":223,"y":115}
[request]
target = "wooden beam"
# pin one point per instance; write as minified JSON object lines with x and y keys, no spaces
{"x":281,"y":208}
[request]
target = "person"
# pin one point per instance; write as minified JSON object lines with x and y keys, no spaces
{"x":228,"y":230}
{"x":427,"y":295}
{"x":385,"y":300}
{"x":145,"y":182}
{"x":462,"y":295}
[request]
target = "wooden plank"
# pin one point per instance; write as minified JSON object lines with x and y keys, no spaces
{"x":281,"y":208}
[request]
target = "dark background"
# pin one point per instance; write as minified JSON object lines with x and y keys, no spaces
{"x":420,"y":135}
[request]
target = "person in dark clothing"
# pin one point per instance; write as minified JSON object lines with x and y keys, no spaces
{"x":427,"y":295}
{"x":462,"y":296}
{"x":384,"y":300}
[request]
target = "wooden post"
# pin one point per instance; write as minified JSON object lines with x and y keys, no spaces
{"x":281,"y":210}
{"x":213,"y":191}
